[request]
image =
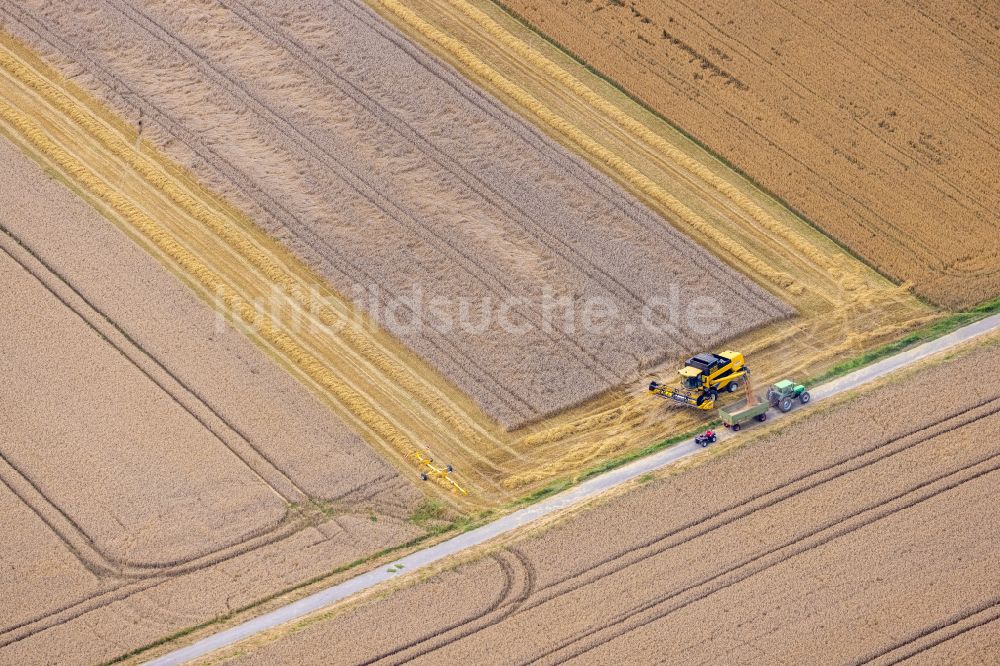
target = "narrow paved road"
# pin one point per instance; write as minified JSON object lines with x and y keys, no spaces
{"x":575,"y":495}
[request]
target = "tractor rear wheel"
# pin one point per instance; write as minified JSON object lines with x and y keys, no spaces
{"x":785,"y":405}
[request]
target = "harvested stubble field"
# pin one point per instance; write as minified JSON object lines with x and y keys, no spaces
{"x":156,"y":469}
{"x":876,"y":120}
{"x":386,"y":172}
{"x":862,"y":534}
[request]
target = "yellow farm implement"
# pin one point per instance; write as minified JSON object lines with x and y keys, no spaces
{"x":428,"y":470}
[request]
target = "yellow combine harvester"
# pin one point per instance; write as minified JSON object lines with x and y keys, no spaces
{"x":703,"y":377}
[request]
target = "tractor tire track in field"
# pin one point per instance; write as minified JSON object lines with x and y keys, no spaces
{"x":529,"y":132}
{"x":69,"y":612}
{"x":746,"y":507}
{"x":4,"y":631}
{"x":78,"y":540}
{"x":937,"y":633}
{"x":266,"y":469}
{"x":331,"y":257}
{"x":131,"y":579}
{"x":514,"y":593}
{"x":493,"y":281}
{"x":652,"y":611}
{"x":368,"y":493}
{"x":639,"y":553}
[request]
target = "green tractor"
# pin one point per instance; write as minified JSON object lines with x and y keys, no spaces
{"x":781,"y":394}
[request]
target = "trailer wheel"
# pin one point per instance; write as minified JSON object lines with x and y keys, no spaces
{"x":762,"y":417}
{"x":805,"y":397}
{"x":736,"y":426}
{"x":785,"y":405}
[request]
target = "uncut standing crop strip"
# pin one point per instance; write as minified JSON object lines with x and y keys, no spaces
{"x":421,"y":180}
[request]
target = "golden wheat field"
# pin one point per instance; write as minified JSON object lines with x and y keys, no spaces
{"x":294,"y":290}
{"x":789,"y":550}
{"x":877,"y":121}
{"x":154,"y":464}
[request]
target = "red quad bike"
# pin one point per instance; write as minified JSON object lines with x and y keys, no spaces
{"x":706,"y":438}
